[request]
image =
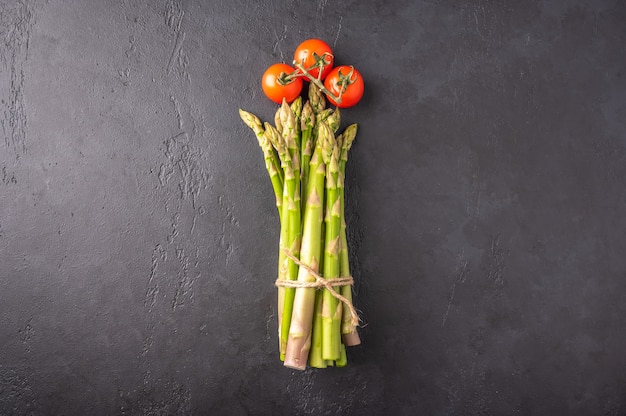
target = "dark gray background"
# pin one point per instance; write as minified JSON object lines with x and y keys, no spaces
{"x":486,"y":204}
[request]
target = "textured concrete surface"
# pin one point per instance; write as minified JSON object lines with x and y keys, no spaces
{"x":486,"y":199}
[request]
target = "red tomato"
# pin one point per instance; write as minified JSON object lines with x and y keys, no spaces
{"x":276,"y":88}
{"x":313,"y":52}
{"x":345,"y":82}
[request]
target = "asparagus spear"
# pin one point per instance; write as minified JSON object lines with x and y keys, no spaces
{"x":292,"y":215}
{"x":343,"y":358}
{"x":271,"y":158}
{"x":277,"y":142}
{"x":299,"y":342}
{"x":315,"y":354}
{"x":307,"y":123}
{"x":332,"y":309}
{"x":349,"y":334}
{"x":290,"y":227}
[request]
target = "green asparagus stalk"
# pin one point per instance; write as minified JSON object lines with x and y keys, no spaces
{"x":349,"y":334}
{"x":292,"y":216}
{"x":272,"y":162}
{"x":290,"y":227}
{"x":291,"y":211}
{"x":308,"y":119}
{"x":294,"y":113}
{"x":291,"y":135}
{"x":276,"y":158}
{"x":315,"y":354}
{"x":300,"y":333}
{"x":343,"y":357}
{"x":307,"y":123}
{"x":332,"y":309}
{"x":278,"y":143}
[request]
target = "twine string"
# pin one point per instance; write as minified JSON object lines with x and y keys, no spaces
{"x":321,"y":282}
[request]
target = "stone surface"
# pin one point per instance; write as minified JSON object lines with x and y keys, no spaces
{"x":486,"y":197}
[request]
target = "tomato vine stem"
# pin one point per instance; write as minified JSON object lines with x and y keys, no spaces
{"x":318,"y":82}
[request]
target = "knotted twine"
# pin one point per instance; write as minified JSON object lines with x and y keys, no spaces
{"x":320,"y":282}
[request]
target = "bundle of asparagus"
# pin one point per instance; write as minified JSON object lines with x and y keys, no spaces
{"x":306,"y":162}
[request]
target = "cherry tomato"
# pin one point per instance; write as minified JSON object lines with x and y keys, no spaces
{"x":275,"y":89}
{"x":346,"y":78}
{"x":312,"y":52}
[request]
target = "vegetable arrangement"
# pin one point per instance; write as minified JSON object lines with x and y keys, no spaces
{"x":306,"y":161}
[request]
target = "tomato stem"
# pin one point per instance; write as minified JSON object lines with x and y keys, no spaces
{"x":286,"y":79}
{"x":345,"y":80}
{"x":320,"y":62}
{"x":318,"y":82}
